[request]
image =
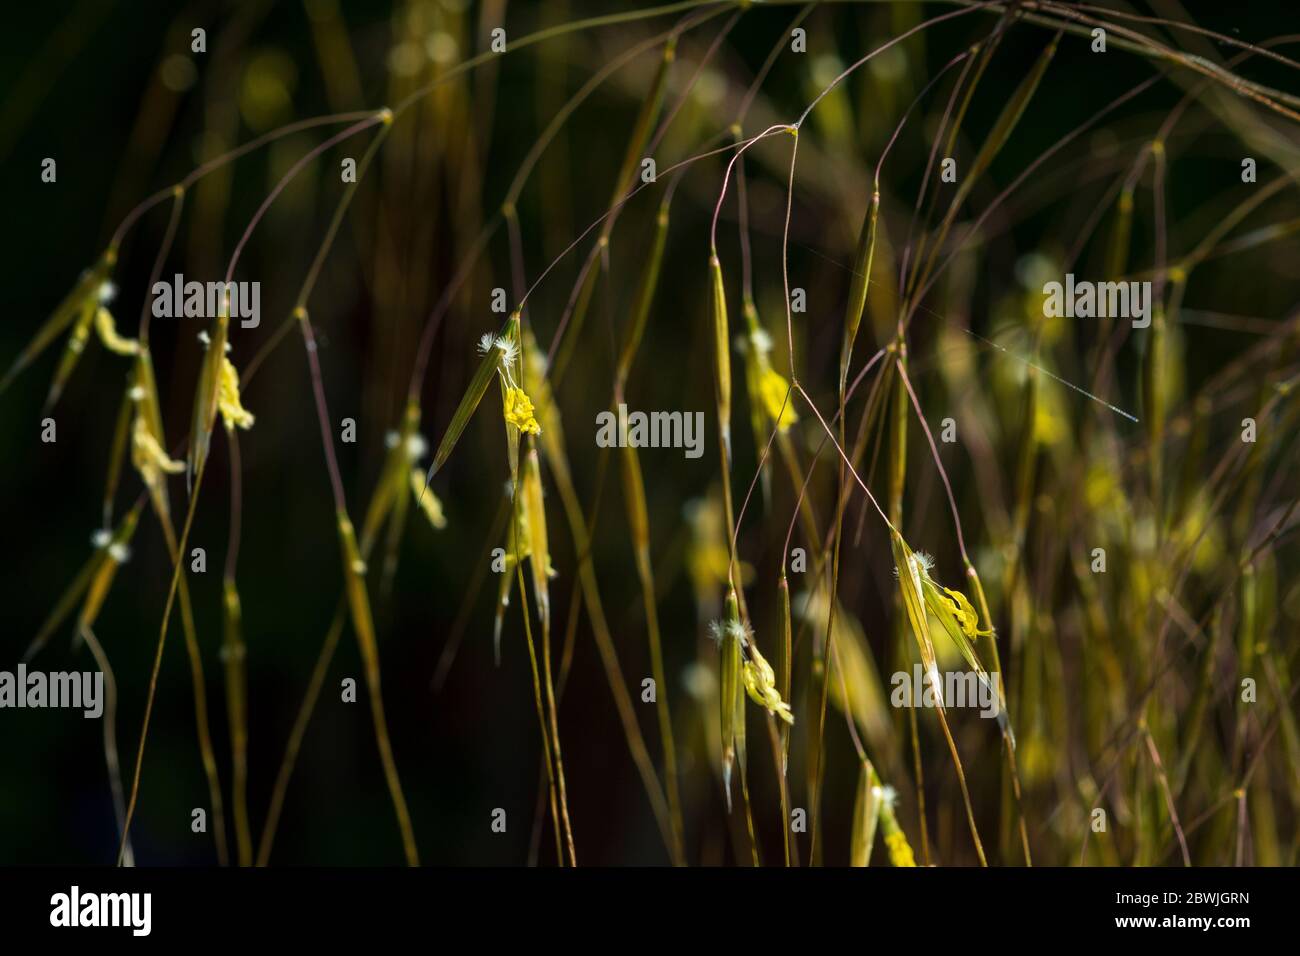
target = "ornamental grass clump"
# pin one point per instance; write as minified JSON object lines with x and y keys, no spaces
{"x":867,"y":213}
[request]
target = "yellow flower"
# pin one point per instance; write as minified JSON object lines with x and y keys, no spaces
{"x":760,"y":684}
{"x":960,"y":607}
{"x":232,"y":410}
{"x":429,"y":502}
{"x":519,"y":411}
{"x":961,"y":622}
{"x":108,"y":334}
{"x":900,"y":853}
{"x":773,"y":390}
{"x":952,"y":608}
{"x":148,"y":456}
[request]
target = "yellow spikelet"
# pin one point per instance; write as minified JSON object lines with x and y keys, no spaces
{"x":519,"y":411}
{"x":428,"y":501}
{"x":966,"y":616}
{"x":900,"y":853}
{"x":148,"y":456}
{"x":760,"y":684}
{"x":108,"y":334}
{"x":773,"y":389}
{"x":899,"y":850}
{"x":233,"y":412}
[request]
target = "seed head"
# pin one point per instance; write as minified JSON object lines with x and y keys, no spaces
{"x":760,"y":684}
{"x":519,"y":411}
{"x":427,"y":500}
{"x":108,"y":334}
{"x":777,"y":400}
{"x":148,"y":456}
{"x":508,"y":348}
{"x":900,"y":853}
{"x":233,"y":412}
{"x":720,"y":629}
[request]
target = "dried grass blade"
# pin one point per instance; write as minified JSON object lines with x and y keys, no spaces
{"x":1006,"y":122}
{"x":859,"y":286}
{"x":474,"y":393}
{"x":909,"y":583}
{"x":538,"y":544}
{"x":117,"y":451}
{"x":76,"y":344}
{"x":866,"y":815}
{"x":233,"y":654}
{"x":205,"y":397}
{"x":730,"y":698}
{"x":73,"y":306}
{"x":722,"y":354}
{"x":80,"y":584}
{"x":645,"y":294}
{"x":363,"y":623}
{"x":639,"y":524}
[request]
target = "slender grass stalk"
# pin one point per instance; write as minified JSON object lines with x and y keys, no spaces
{"x":294,"y":745}
{"x":359,"y":602}
{"x":233,"y":655}
{"x":866,"y":816}
{"x":992,"y":144}
{"x":639,"y":523}
{"x":547,"y":752}
{"x":541,"y":565}
{"x":111,"y":759}
{"x":77,"y":311}
{"x":910,"y":586}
